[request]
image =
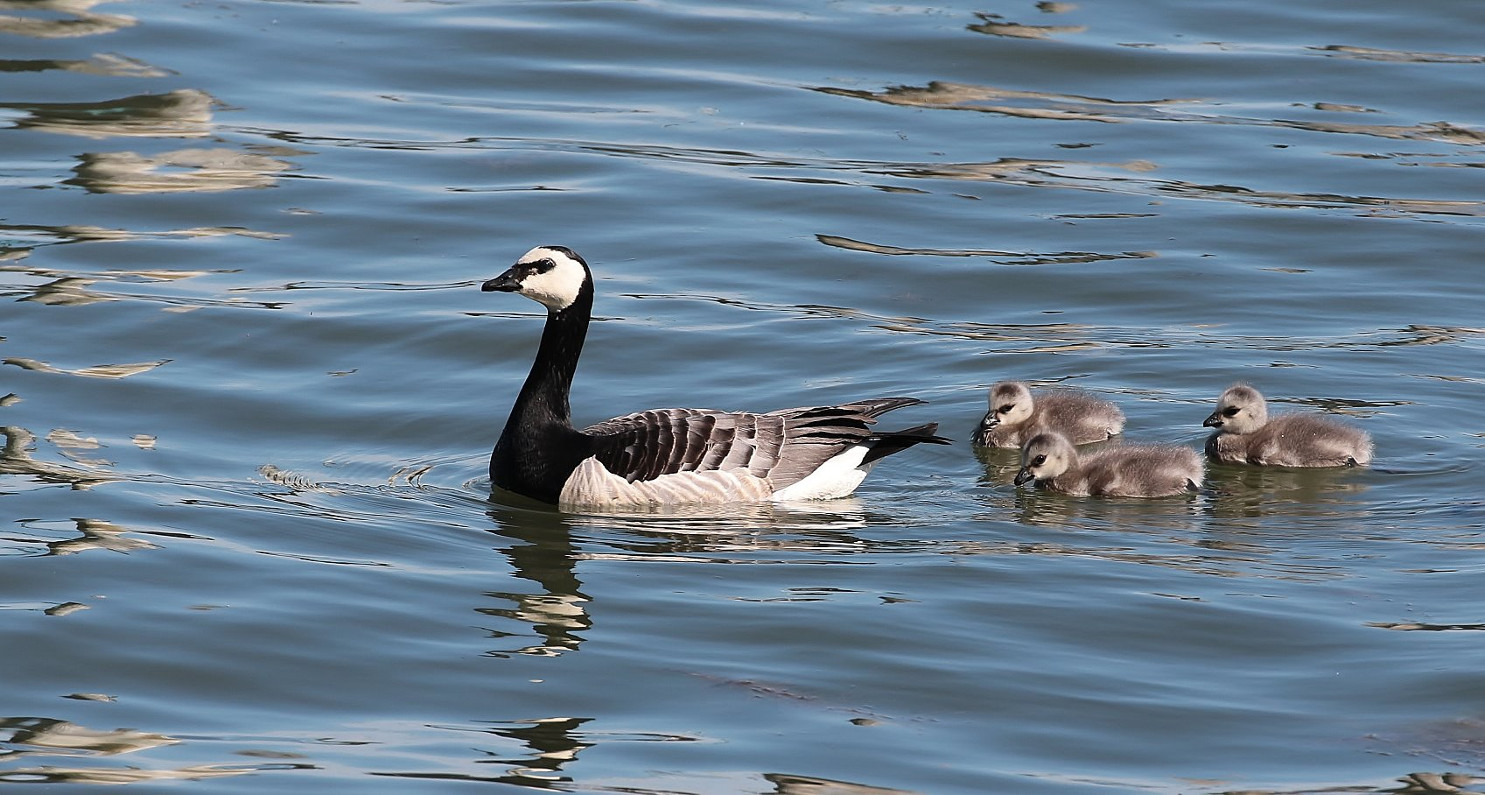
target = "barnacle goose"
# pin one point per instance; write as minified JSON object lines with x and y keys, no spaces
{"x":673,"y":456}
{"x":1125,"y":470}
{"x":1016,"y":416}
{"x":1247,"y":435}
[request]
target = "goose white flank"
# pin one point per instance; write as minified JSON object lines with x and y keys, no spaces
{"x":670,"y":456}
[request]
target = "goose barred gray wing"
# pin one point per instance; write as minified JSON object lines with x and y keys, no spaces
{"x":783,"y":446}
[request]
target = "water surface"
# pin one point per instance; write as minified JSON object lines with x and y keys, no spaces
{"x":249,"y":389}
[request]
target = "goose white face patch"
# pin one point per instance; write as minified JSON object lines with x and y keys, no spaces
{"x":554,"y":286}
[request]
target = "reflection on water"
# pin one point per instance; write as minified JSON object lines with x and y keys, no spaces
{"x":996,"y":25}
{"x":1063,"y":337}
{"x":1000,"y":257}
{"x":1414,"y":626}
{"x":76,"y":447}
{"x":49,"y":736}
{"x":785,"y":784}
{"x":1430,"y":335}
{"x":752,"y":532}
{"x":1097,"y":177}
{"x":66,"y":291}
{"x":96,"y":534}
{"x":942,"y":95}
{"x":51,"y":774}
{"x":94,"y":371}
{"x":1405,"y":56}
{"x":543,"y":554}
{"x":183,"y":113}
{"x":536,"y":754}
{"x":1036,"y":506}
{"x":179,"y":171}
{"x":17,"y":458}
{"x":22,"y":238}
{"x":1043,"y":337}
{"x":105,"y":64}
{"x":946,"y":95}
{"x":70,"y":290}
{"x":75,"y":18}
{"x":1253,"y":491}
{"x":544,"y":746}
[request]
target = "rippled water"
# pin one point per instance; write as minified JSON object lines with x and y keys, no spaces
{"x":249,"y":389}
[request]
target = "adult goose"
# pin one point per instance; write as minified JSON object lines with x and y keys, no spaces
{"x":669,"y":456}
{"x":1246,"y":434}
{"x":1125,"y":470}
{"x":1015,"y":416}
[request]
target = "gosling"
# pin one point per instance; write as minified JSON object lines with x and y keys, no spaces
{"x":1015,"y":417}
{"x":1134,"y":470}
{"x":1247,"y":435}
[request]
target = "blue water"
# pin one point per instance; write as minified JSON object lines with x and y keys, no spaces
{"x":247,"y":541}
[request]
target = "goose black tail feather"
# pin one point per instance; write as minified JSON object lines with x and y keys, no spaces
{"x":889,"y":442}
{"x":876,"y":407}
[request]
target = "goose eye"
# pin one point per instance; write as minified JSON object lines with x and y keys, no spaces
{"x":1039,"y":460}
{"x":543,"y":265}
{"x":1006,"y":409}
{"x":1230,"y":411}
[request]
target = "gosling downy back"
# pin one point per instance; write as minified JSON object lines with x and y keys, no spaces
{"x":1016,"y":415}
{"x":1124,"y":470}
{"x":1246,"y":434}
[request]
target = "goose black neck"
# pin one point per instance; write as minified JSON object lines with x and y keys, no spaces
{"x":539,"y":447}
{"x":544,"y":396}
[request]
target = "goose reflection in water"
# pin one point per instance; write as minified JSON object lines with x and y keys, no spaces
{"x":17,"y":458}
{"x":178,"y":171}
{"x":46,"y":737}
{"x":183,"y":113}
{"x":1244,"y":491}
{"x":106,"y":64}
{"x":98,"y":534}
{"x":543,"y":554}
{"x":75,"y":18}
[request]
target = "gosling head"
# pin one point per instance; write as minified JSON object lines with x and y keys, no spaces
{"x":1241,"y":409}
{"x":553,"y":276}
{"x":1045,"y":456}
{"x":1010,"y":404}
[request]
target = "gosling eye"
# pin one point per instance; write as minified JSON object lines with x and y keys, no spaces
{"x":1230,"y":411}
{"x":1006,"y":409}
{"x":1039,"y":460}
